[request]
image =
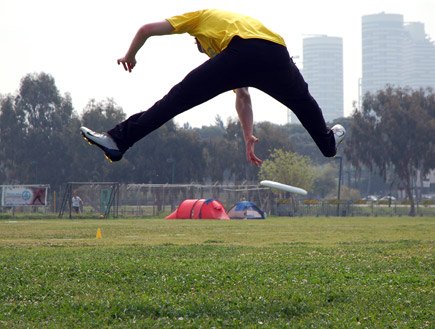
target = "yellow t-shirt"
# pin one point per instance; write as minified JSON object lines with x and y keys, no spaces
{"x":215,"y":28}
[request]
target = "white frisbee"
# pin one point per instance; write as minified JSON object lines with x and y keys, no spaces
{"x":287,"y":188}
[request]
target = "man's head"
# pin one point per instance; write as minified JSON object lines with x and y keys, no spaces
{"x":198,"y":44}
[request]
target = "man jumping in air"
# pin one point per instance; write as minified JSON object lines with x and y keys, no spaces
{"x":243,"y":53}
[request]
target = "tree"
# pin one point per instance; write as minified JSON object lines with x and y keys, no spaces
{"x":303,"y":143}
{"x":395,"y":132}
{"x":288,"y":168}
{"x":101,"y":116}
{"x":42,"y":114}
{"x":12,"y":136}
{"x":271,"y":137}
{"x":233,"y":158}
{"x":186,"y":148}
{"x":325,"y":181}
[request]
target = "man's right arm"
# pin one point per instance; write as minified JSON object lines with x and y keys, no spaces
{"x":146,"y":31}
{"x":244,"y":111}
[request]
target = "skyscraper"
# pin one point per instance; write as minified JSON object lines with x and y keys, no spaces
{"x":396,"y":54}
{"x":382,"y":49}
{"x":419,"y":54}
{"x":323,"y":71}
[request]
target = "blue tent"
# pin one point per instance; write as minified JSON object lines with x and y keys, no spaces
{"x":246,"y":210}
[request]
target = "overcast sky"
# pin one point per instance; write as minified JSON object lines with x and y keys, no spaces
{"x":78,"y":43}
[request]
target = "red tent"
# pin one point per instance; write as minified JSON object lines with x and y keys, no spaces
{"x":199,"y":209}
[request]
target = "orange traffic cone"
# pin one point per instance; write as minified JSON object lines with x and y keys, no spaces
{"x":99,"y":236}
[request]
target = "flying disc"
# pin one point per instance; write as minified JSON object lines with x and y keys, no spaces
{"x":284,"y":187}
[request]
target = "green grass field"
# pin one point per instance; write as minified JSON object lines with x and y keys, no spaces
{"x":279,"y":273}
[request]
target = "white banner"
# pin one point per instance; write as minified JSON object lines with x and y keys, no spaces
{"x":24,"y":195}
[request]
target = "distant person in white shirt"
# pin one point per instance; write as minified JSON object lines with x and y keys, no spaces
{"x":76,"y":203}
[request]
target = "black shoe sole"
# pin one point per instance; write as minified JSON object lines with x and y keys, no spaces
{"x":111,"y":155}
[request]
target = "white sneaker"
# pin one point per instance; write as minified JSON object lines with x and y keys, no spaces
{"x":339,"y":133}
{"x":104,"y":142}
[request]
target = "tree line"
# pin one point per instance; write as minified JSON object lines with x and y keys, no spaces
{"x":394,"y":133}
{"x":40,"y":142}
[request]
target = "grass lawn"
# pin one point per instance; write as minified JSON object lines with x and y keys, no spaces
{"x":279,"y":273}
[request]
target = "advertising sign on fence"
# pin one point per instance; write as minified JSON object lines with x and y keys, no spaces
{"x":24,"y":195}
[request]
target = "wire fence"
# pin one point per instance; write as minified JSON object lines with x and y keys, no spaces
{"x":158,"y":200}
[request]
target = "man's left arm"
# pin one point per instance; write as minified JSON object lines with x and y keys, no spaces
{"x":146,"y":31}
{"x":246,"y":117}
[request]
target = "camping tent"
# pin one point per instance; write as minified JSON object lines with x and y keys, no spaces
{"x":246,"y":210}
{"x":199,"y":209}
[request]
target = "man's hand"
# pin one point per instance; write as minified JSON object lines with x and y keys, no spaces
{"x":250,"y":154}
{"x":128,"y":64}
{"x":146,"y":31}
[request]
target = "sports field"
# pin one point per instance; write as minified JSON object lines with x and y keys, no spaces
{"x":326,"y":272}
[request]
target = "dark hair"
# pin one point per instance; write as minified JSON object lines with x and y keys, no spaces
{"x":198,"y":44}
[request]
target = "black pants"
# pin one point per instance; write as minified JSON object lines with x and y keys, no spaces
{"x":244,"y":63}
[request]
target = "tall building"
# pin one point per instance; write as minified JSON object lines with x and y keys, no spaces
{"x":396,"y":54}
{"x":419,"y":54}
{"x":323,"y":71}
{"x":382,"y":49}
